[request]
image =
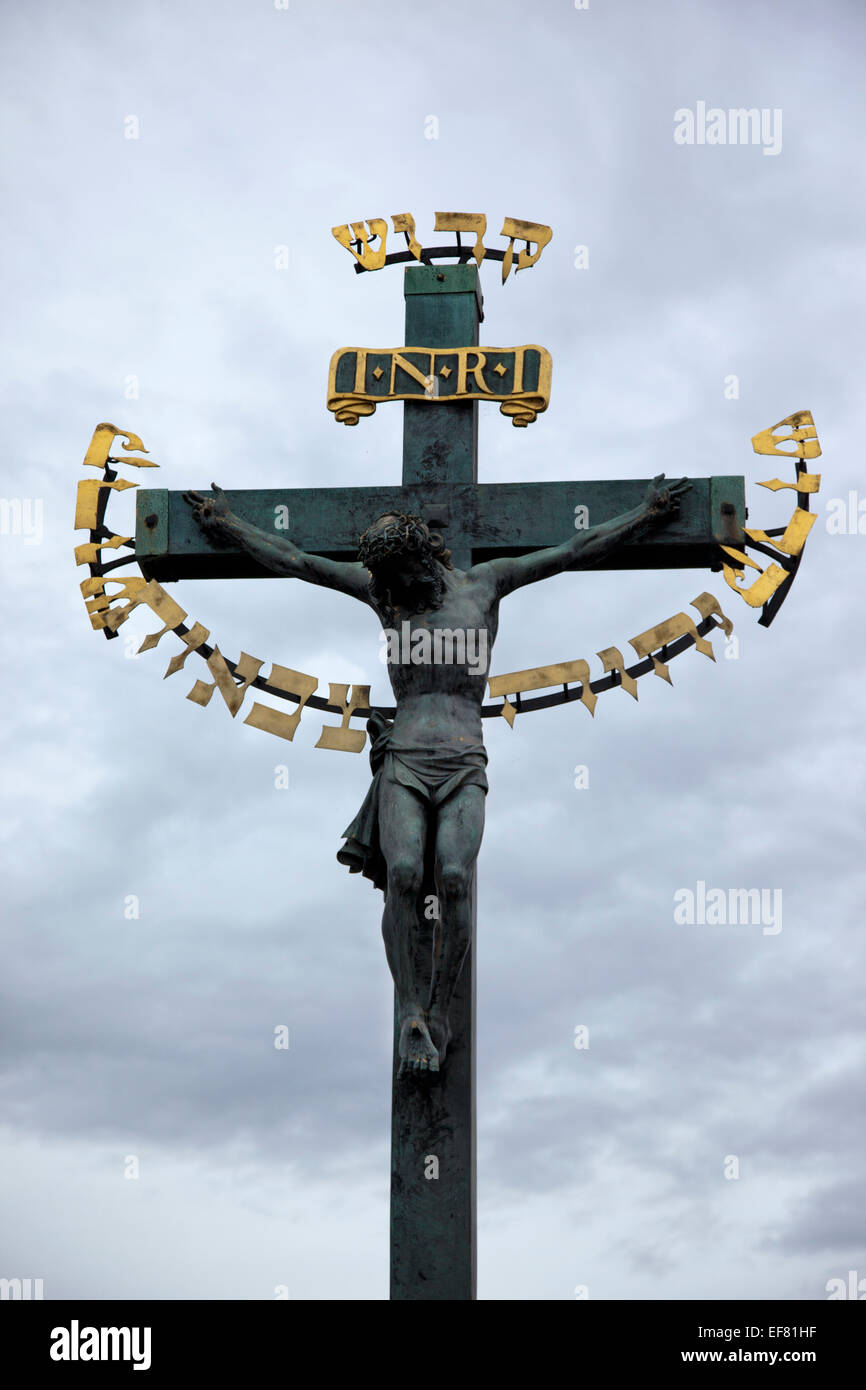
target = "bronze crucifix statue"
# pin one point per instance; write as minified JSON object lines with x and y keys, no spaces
{"x":425,"y":805}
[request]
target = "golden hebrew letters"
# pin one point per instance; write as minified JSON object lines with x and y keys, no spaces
{"x":194,"y":639}
{"x":473,"y":369}
{"x":680,"y":625}
{"x":806,"y":482}
{"x":802,"y":433}
{"x":88,"y":554}
{"x":764,"y":586}
{"x":275,"y":721}
{"x":100,"y":447}
{"x":247,"y":668}
{"x":533,"y":232}
{"x":405,"y":222}
{"x":464,"y":222}
{"x":89,"y":489}
{"x":563,"y":673}
{"x":164,"y":606}
{"x":794,"y":538}
{"x":87,"y":500}
{"x":98,"y":602}
{"x":645,"y":644}
{"x":355,"y":231}
{"x":611,"y":660}
{"x":136,"y":590}
{"x":707,"y":605}
{"x":343,"y":738}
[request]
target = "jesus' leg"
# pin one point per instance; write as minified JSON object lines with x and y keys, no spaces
{"x":458,"y":839}
{"x":402,"y":836}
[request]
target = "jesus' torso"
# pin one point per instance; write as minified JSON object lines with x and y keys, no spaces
{"x":438,"y":662}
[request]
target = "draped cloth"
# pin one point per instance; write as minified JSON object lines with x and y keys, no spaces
{"x":433,"y":772}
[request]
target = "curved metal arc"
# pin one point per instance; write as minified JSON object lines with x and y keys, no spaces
{"x":462,"y":254}
{"x":791,"y":563}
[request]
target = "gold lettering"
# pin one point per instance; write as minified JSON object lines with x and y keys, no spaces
{"x":98,"y":602}
{"x":796,"y":532}
{"x":464,"y":370}
{"x":397,"y":360}
{"x":465,"y":222}
{"x":405,"y":222}
{"x":247,"y":668}
{"x":531,"y":232}
{"x":344,"y":739}
{"x":100,"y":447}
{"x":195,"y":638}
{"x":136,"y":591}
{"x":662,"y":635}
{"x":806,"y":482}
{"x":360,"y":368}
{"x":765,"y":585}
{"x":88,"y":554}
{"x":164,"y":606}
{"x":366,"y":257}
{"x":87,"y":500}
{"x":611,"y":660}
{"x":275,"y":721}
{"x":521,"y":406}
{"x":519,"y":354}
{"x":562,"y":673}
{"x":706,"y":605}
{"x":802,"y":434}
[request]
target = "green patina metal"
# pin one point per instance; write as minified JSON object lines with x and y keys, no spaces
{"x":433,"y":1249}
{"x":488,"y":519}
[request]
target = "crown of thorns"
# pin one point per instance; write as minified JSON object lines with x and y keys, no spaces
{"x":402,"y":533}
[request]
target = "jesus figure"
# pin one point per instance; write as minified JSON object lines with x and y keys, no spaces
{"x":423,"y":816}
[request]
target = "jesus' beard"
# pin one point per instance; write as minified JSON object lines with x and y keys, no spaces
{"x":420,"y":596}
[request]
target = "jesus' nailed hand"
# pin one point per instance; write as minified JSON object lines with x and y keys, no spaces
{"x":423,"y":816}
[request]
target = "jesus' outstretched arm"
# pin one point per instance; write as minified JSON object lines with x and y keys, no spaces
{"x":276,"y":553}
{"x":586,"y":548}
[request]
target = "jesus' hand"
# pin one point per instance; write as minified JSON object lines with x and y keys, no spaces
{"x":664,"y":501}
{"x":213,"y":514}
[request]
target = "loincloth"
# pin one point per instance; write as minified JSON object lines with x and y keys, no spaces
{"x":432,"y":773}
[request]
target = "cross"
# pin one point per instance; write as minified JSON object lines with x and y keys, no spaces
{"x":433,"y":1225}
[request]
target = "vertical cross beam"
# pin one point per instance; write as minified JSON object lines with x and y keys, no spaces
{"x":433,"y":1226}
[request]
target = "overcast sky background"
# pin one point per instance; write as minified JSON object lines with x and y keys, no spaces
{"x":154,"y":258}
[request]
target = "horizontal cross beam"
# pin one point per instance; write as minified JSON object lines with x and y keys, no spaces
{"x":488,"y":519}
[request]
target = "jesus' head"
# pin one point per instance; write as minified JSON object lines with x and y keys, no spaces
{"x":406,"y":561}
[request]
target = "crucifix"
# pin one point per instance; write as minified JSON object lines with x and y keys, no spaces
{"x":433,"y":558}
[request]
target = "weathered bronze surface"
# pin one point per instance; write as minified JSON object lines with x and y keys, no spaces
{"x":429,"y":783}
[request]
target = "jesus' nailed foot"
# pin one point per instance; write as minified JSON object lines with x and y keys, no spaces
{"x":418,"y":1054}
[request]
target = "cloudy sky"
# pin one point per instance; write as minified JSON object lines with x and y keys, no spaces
{"x":141,"y":286}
